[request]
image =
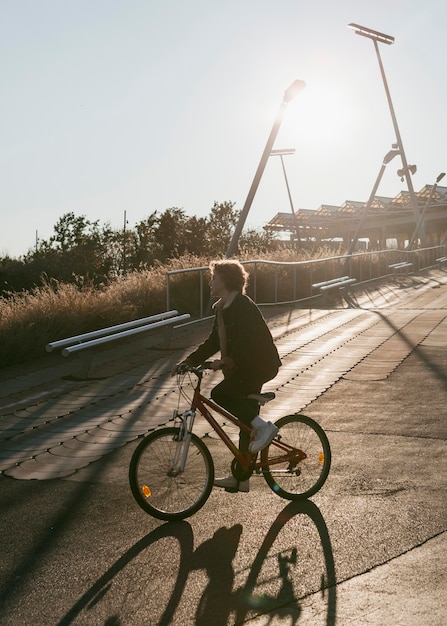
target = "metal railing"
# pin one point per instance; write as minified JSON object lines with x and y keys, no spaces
{"x":287,"y":282}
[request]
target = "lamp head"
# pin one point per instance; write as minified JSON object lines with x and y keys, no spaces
{"x":293,"y":90}
{"x":371,"y":34}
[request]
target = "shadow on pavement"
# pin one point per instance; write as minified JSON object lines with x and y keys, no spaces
{"x":215,"y":556}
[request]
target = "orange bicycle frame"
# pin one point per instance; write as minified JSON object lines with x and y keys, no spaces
{"x":201,"y":403}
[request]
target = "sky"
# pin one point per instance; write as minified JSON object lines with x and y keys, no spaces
{"x":126,"y":107}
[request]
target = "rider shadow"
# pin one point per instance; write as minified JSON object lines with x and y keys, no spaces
{"x":219,"y":603}
{"x":215,"y":556}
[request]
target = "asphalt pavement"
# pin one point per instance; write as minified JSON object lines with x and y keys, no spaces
{"x":368,"y":549}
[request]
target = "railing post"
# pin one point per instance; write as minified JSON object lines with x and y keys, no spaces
{"x":168,"y":296}
{"x":276,"y":283}
{"x":201,"y":293}
{"x":255,"y":285}
{"x":294,"y":282}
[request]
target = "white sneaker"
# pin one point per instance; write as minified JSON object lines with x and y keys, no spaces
{"x":262,"y":436}
{"x":231,"y":484}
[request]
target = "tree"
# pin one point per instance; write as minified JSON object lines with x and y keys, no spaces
{"x":78,"y":248}
{"x":170,"y":234}
{"x":223,"y":218}
{"x":71,"y":231}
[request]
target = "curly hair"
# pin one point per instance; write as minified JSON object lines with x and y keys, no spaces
{"x":232,"y":273}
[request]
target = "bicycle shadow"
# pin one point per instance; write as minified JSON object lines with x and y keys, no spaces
{"x":219,"y":601}
{"x":181,"y":531}
{"x":285,"y":604}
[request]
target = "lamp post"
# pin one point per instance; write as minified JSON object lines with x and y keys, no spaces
{"x":422,"y":216}
{"x":281,"y":154}
{"x":386,"y":159}
{"x":289,"y":95}
{"x":377,"y":38}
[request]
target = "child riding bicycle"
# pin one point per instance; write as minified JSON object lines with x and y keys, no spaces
{"x":248,"y":358}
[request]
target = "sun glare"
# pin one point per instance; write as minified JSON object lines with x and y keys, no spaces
{"x":324,"y":116}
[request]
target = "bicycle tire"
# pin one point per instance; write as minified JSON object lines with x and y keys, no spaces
{"x":309,"y":475}
{"x":165,"y":496}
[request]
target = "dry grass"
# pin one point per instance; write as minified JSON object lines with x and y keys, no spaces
{"x":31,"y":319}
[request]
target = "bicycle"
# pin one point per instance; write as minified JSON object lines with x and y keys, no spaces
{"x":171,"y":472}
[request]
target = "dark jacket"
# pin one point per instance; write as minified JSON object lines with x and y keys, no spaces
{"x":249,"y":343}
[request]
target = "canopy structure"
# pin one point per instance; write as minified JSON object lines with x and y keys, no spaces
{"x":387,"y":218}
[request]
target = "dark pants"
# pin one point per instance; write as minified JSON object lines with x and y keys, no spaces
{"x":231,"y":395}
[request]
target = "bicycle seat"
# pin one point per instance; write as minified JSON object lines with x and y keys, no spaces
{"x":262,"y":398}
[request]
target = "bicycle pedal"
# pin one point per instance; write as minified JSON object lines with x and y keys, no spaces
{"x":231,"y":489}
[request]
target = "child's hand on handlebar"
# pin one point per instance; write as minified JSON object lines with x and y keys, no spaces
{"x":178,"y":369}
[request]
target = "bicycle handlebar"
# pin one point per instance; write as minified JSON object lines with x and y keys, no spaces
{"x":183,"y":368}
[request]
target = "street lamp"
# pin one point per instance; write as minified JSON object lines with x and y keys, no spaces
{"x":377,"y":38}
{"x":281,"y":154}
{"x":427,"y":204}
{"x":386,"y":159}
{"x":289,"y":95}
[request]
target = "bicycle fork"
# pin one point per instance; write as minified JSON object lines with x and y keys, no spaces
{"x":183,"y":441}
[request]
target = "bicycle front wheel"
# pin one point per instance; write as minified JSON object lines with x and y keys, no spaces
{"x":158,"y":487}
{"x":292,"y":479}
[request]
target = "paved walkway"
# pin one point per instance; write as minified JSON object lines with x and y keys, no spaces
{"x":368,"y":549}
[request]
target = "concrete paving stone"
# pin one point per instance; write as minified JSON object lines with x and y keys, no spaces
{"x":24,"y":413}
{"x":43,"y":415}
{"x":31,"y":472}
{"x":9,"y":432}
{"x":47,"y":458}
{"x":97,"y":412}
{"x":127,"y":431}
{"x":20,"y":443}
{"x":375,"y":362}
{"x":95,"y":436}
{"x":118,"y":430}
{"x":10,"y":420}
{"x":19,"y":427}
{"x":365,"y":376}
{"x":135,"y":423}
{"x":43,"y":442}
{"x":103,"y":436}
{"x":8,"y":458}
{"x":75,"y":444}
{"x":85,"y":455}
{"x":68,"y":432}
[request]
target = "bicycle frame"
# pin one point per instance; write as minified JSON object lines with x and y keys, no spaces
{"x":202,"y":404}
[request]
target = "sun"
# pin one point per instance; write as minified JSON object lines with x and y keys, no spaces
{"x":324,"y":115}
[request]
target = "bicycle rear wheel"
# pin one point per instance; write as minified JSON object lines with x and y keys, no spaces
{"x":162,"y":492}
{"x":297,"y":480}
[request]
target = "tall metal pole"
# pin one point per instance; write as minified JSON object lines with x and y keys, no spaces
{"x":289,"y":94}
{"x":387,"y":158}
{"x":421,"y":218}
{"x":406,"y":171}
{"x":377,"y":37}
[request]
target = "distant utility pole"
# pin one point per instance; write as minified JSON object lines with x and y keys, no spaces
{"x":124,"y":243}
{"x":281,"y":154}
